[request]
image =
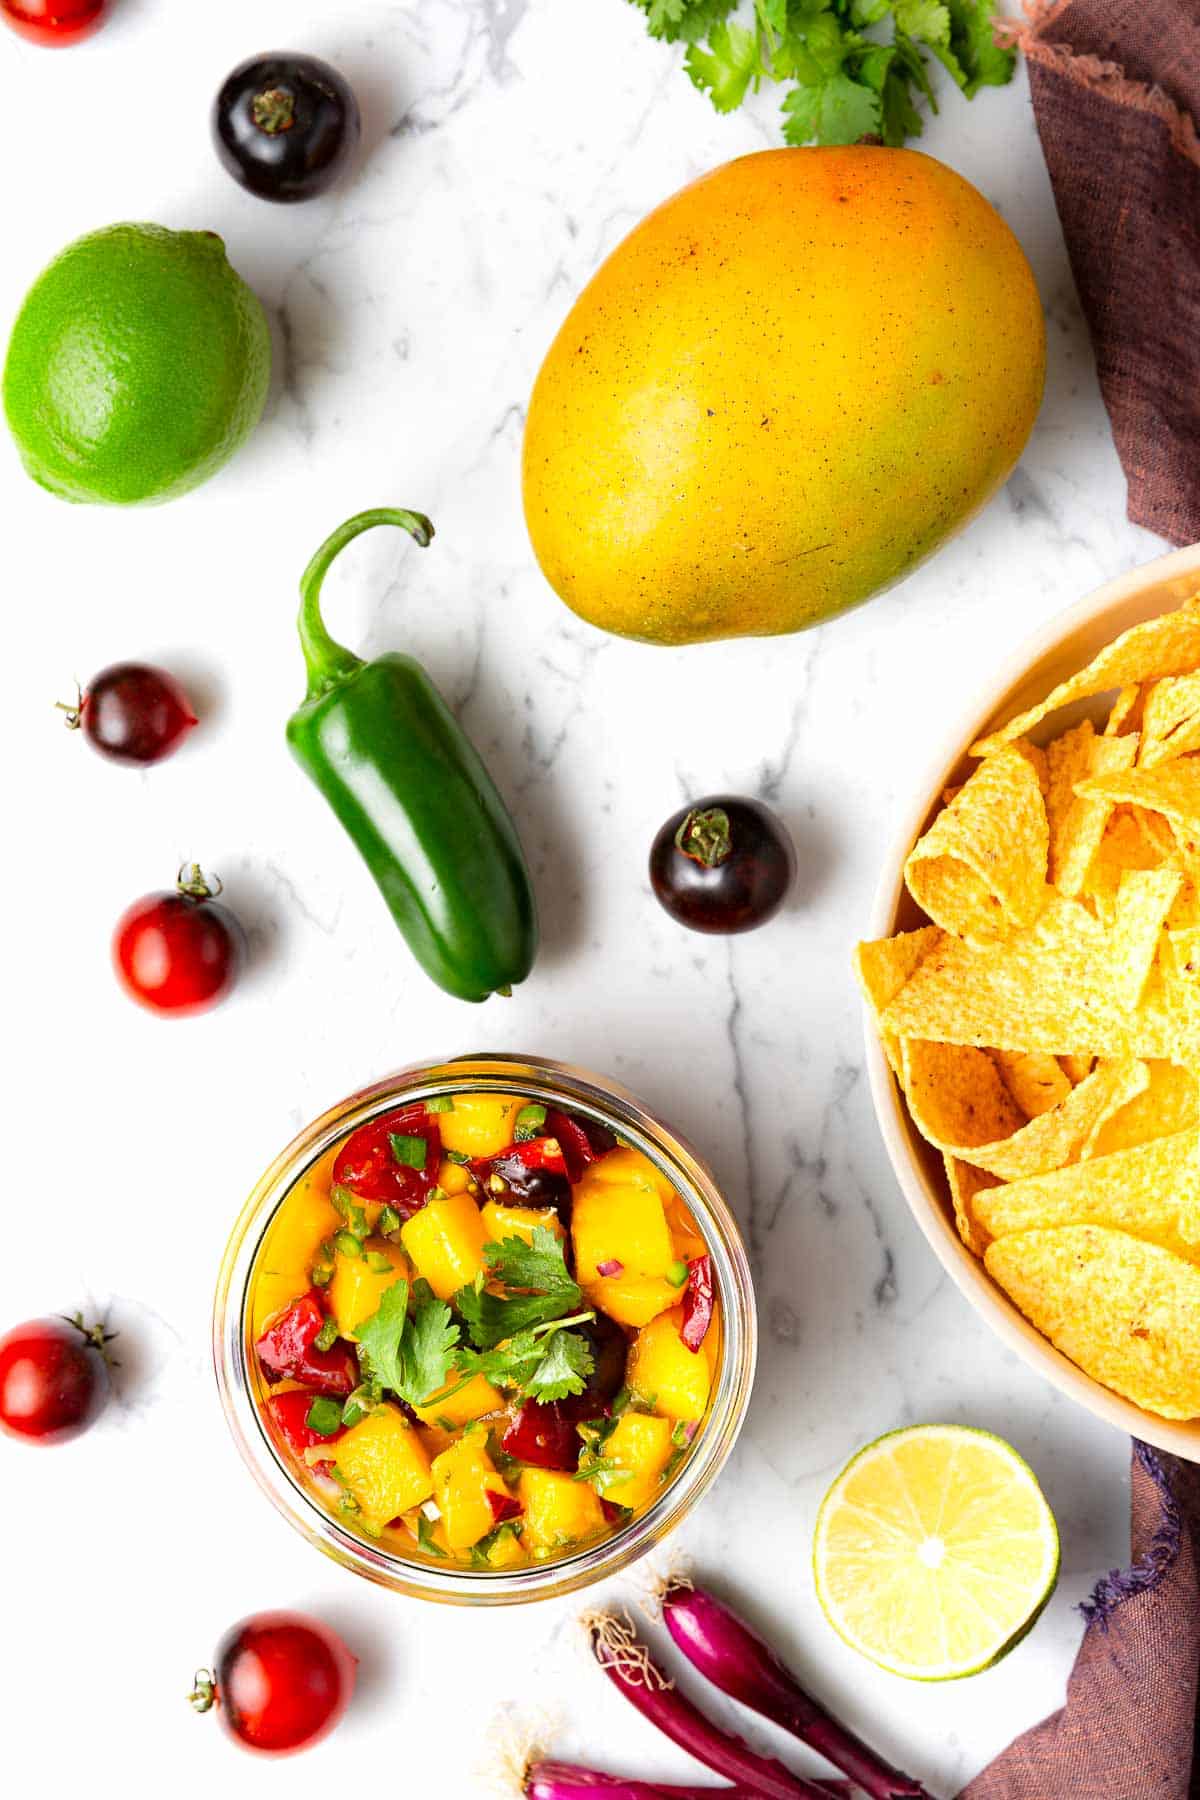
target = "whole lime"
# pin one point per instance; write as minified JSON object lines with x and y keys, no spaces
{"x":138,"y":364}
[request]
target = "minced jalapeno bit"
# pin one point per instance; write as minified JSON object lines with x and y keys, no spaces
{"x":485,"y":1331}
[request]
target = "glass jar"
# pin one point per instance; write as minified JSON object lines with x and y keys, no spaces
{"x":534,"y":1079}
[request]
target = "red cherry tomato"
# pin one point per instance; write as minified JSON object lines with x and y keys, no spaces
{"x":180,"y":952}
{"x":132,"y":713}
{"x":367,"y":1163}
{"x":55,"y":23}
{"x":52,"y":1379}
{"x":280,"y":1682}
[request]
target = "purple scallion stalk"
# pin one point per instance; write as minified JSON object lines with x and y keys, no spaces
{"x":736,"y":1660}
{"x":567,"y":1781}
{"x":629,"y":1665}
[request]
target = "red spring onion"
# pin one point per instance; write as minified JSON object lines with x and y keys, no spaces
{"x":629,"y":1665}
{"x":697,"y":1302}
{"x":725,"y":1650}
{"x":612,"y":1267}
{"x":566,"y":1781}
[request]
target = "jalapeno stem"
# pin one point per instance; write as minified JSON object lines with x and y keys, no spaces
{"x":327,"y":661}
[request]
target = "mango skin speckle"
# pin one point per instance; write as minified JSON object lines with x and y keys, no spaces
{"x":786,"y":388}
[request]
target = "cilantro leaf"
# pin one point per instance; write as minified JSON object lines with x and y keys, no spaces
{"x":431,"y":1338}
{"x":726,"y":68}
{"x":412,"y":1355}
{"x":928,"y":20}
{"x":538,"y":1265}
{"x":684,"y":21}
{"x":839,"y":110}
{"x":381,"y":1337}
{"x":973,"y":56}
{"x":563,"y":1370}
{"x":545,"y":1363}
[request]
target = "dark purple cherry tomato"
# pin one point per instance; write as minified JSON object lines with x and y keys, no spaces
{"x":610,"y":1349}
{"x":722,"y":865}
{"x":133,"y":713}
{"x":286,"y":126}
{"x":53,"y":1378}
{"x":179,"y":952}
{"x":280,"y":1682}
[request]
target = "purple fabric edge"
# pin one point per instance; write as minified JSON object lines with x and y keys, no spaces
{"x":1143,"y":1576}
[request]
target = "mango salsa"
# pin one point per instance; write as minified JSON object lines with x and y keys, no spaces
{"x":485,"y":1331}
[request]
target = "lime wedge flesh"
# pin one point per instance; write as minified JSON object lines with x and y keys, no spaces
{"x":935,"y":1551}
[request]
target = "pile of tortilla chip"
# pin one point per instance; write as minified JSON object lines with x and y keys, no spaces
{"x":1044,"y":1026}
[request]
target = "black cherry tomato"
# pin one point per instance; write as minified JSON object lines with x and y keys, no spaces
{"x":280,"y":1682}
{"x":53,"y":1378}
{"x":179,"y":952}
{"x":132,"y":713}
{"x":54,"y":23}
{"x":723,"y":865}
{"x":286,"y":126}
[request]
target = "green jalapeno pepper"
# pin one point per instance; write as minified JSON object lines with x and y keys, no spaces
{"x":388,"y":755}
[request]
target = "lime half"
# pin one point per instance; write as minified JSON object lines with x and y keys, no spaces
{"x":935,"y":1551}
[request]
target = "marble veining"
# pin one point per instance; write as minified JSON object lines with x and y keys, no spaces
{"x":509,"y":144}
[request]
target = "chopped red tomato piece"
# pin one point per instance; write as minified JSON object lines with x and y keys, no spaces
{"x":394,"y":1159}
{"x":545,"y":1435}
{"x":286,"y":1350}
{"x":581,"y":1141}
{"x":697,"y":1302}
{"x":290,"y":1415}
{"x":504,"y":1506}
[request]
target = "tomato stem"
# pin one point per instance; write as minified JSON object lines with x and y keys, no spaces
{"x":706,"y":837}
{"x":274,"y":110}
{"x":196,"y":885}
{"x":72,"y":709}
{"x":95,"y":1336}
{"x":204,"y":1691}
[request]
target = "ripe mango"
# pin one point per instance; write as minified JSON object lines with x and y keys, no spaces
{"x":445,"y":1241}
{"x":786,"y":388}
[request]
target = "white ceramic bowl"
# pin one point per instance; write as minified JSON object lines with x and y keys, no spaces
{"x":1058,"y":650}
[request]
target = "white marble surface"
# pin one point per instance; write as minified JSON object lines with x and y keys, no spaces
{"x":510,"y":143}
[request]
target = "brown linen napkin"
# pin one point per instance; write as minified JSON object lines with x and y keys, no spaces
{"x":1127,"y":1731}
{"x":1116,"y":96}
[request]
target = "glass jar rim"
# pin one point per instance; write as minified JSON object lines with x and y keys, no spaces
{"x":537,"y":1079}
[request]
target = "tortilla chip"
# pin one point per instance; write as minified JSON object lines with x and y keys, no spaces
{"x":1127,"y":1312}
{"x":964,"y":1182}
{"x":980,"y":869}
{"x":957,"y":1097}
{"x":1172,"y":789}
{"x":1036,"y":1081}
{"x":1076,"y":1068}
{"x":1126,"y":714}
{"x":1145,"y":1191}
{"x":1063,"y":986}
{"x":1171,"y":720}
{"x":883,"y":966}
{"x":1166,"y":645}
{"x":1064,"y":1134}
{"x":1076,"y":824}
{"x":1169,"y":1103}
{"x":1185,"y":908}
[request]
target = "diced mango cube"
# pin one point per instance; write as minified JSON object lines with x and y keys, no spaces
{"x":558,"y":1510}
{"x":508,"y":1552}
{"x":357,"y":1289}
{"x":473,"y":1401}
{"x":641,"y":1443}
{"x":285,"y":1262}
{"x":665,"y":1373}
{"x":624,"y":1167}
{"x":502,"y":1221}
{"x":383,"y":1464}
{"x":480,"y":1125}
{"x":463,"y":1476}
{"x":445,"y":1241}
{"x":454,"y":1178}
{"x":624,"y":1222}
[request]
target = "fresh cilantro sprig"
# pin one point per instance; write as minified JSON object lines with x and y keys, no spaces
{"x":545,"y":1363}
{"x":410,"y":1352}
{"x":846,"y":79}
{"x":538,"y":1269}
